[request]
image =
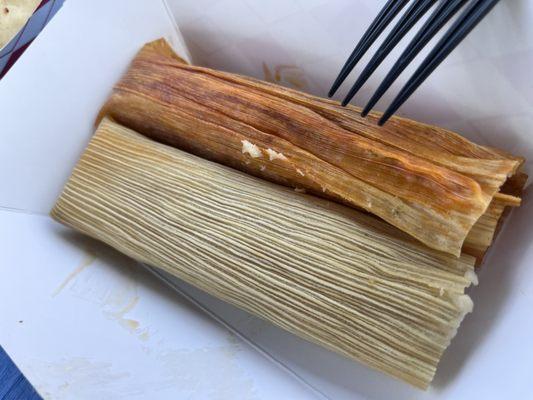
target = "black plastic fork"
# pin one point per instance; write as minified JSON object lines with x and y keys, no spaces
{"x":468,"y":20}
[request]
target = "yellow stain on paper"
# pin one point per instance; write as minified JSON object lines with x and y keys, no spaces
{"x":288,"y":75}
{"x":130,"y":325}
{"x":116,"y":300}
{"x":87,"y":260}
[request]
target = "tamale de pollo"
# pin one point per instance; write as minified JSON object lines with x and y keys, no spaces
{"x":435,"y":189}
{"x":328,"y":273}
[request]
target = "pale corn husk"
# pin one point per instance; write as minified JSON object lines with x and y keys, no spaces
{"x":330,"y":274}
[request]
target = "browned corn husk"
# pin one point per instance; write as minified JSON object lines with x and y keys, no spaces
{"x":428,"y":182}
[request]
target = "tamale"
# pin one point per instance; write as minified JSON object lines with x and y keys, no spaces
{"x":330,"y":274}
{"x":430,"y":142}
{"x":435,"y":187}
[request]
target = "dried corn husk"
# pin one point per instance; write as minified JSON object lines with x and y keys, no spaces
{"x":328,"y":273}
{"x":428,"y":182}
{"x":483,"y":233}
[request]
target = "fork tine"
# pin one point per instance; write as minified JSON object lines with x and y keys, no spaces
{"x":408,"y":20}
{"x":445,"y":11}
{"x":459,"y":30}
{"x":386,"y":15}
